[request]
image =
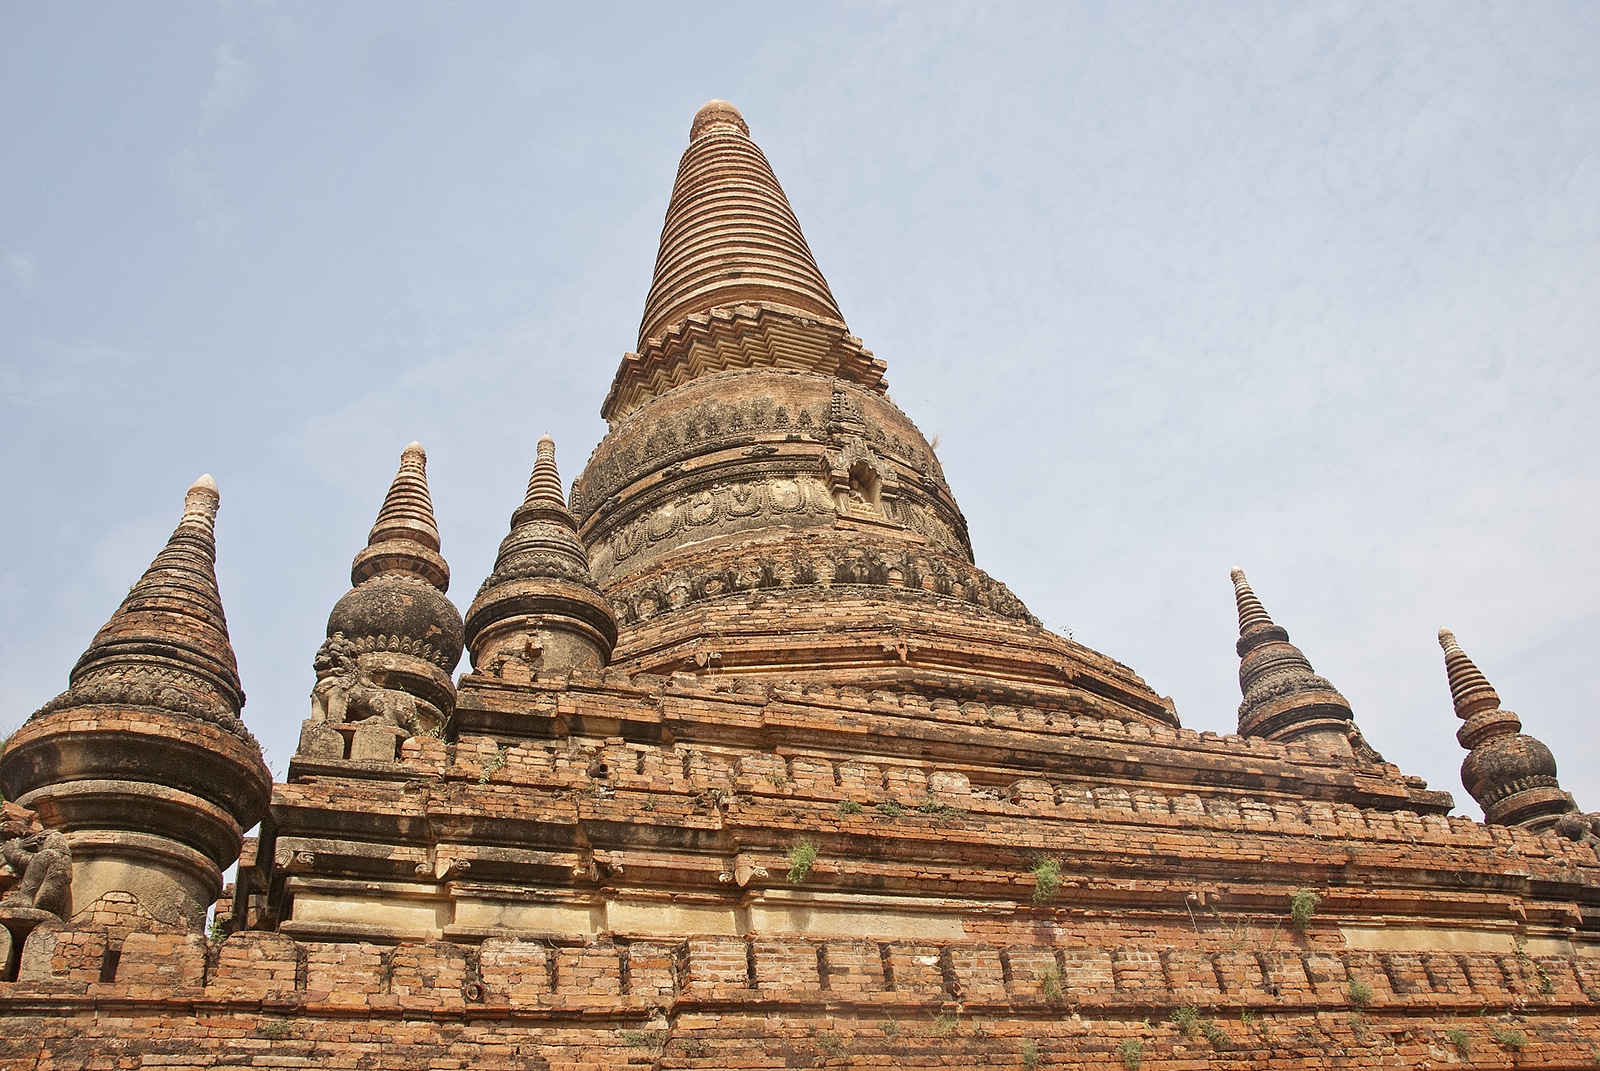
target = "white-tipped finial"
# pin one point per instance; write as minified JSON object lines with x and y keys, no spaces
{"x":200,"y":502}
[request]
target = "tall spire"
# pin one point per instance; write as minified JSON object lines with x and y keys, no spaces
{"x":1284,"y":699}
{"x":143,"y":763}
{"x":544,"y":485}
{"x":1510,"y":774}
{"x":735,"y":285}
{"x":405,"y":538}
{"x":730,"y":237}
{"x":540,"y":612}
{"x":171,"y":625}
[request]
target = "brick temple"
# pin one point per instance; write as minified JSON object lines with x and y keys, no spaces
{"x":754,"y":767}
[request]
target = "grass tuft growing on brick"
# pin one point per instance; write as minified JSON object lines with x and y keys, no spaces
{"x":801,"y":857}
{"x":1046,"y":879}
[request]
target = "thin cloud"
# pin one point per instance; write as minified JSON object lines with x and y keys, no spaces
{"x":19,"y":268}
{"x":191,"y":174}
{"x":230,"y":79}
{"x":60,"y":370}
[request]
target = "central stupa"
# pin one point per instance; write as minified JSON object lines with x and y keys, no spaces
{"x":761,"y":507}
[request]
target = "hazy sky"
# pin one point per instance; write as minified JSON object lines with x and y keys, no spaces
{"x":1313,"y":289}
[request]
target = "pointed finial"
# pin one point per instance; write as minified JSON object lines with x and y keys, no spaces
{"x":1251,"y":612}
{"x":544,"y":485}
{"x":1470,"y":690}
{"x":405,"y":538}
{"x":200,"y":503}
{"x":717,"y":115}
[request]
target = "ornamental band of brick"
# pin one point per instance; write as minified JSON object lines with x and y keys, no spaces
{"x":754,"y":767}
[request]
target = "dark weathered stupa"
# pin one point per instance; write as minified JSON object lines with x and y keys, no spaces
{"x":755,"y":767}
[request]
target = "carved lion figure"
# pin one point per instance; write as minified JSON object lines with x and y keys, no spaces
{"x":347,"y":692}
{"x":41,"y":859}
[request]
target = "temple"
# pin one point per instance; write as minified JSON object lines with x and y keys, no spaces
{"x":754,"y":766}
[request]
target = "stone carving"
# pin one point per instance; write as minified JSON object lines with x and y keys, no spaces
{"x":686,"y":434}
{"x":176,"y":690}
{"x":348,"y":691}
{"x":40,"y":862}
{"x":935,"y":575}
{"x":716,"y":506}
{"x":857,"y":477}
{"x":1580,"y":828}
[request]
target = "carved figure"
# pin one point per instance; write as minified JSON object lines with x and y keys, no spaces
{"x":42,"y":861}
{"x":346,"y":691}
{"x":1580,"y":828}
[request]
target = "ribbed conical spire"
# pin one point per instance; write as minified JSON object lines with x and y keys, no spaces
{"x":730,"y":236}
{"x":735,"y":285}
{"x":405,"y":538}
{"x":1510,"y":774}
{"x":1251,"y":612}
{"x":1470,"y":690}
{"x":540,"y":607}
{"x":173,"y":618}
{"x":544,"y":486}
{"x":1284,"y":699}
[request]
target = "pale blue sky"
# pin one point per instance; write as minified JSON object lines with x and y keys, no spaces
{"x":1310,"y":288}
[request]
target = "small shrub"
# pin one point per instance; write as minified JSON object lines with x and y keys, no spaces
{"x":1460,"y":1039}
{"x":1358,"y":1027}
{"x":939,"y":810}
{"x":1051,"y":980}
{"x":1509,"y":1036}
{"x":890,"y":809}
{"x":830,"y":1044}
{"x":1360,"y":993}
{"x":849,"y":807}
{"x":649,"y":1040}
{"x":1303,"y":905}
{"x":1185,"y":1018}
{"x":492,"y":764}
{"x":695,"y":1049}
{"x":1046,"y":880}
{"x":945,"y":1024}
{"x":1247,"y":1017}
{"x":1214,"y":1034}
{"x":217,"y":932}
{"x":801,"y":856}
{"x":1547,"y":984}
{"x":1030,"y":1056}
{"x":275,"y":1029}
{"x":890,"y":1028}
{"x":649,"y":803}
{"x":1132,"y":1052}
